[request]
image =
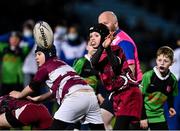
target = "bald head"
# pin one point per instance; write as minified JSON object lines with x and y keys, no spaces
{"x":109,"y":19}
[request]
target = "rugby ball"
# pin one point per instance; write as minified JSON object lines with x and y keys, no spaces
{"x":43,"y":34}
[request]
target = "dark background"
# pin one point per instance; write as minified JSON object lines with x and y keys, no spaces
{"x":151,"y":23}
{"x":14,"y":12}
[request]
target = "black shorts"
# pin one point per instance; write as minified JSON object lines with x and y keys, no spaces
{"x":12,"y":119}
{"x":108,"y":105}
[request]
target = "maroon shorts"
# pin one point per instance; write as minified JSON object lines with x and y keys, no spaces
{"x":128,"y":103}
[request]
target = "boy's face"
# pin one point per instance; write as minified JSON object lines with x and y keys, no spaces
{"x":94,"y":39}
{"x":163,"y":63}
{"x":40,"y":58}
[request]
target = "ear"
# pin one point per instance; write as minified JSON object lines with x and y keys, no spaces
{"x":116,"y":24}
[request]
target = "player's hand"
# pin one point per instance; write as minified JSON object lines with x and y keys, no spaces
{"x":144,"y":124}
{"x":172,"y":112}
{"x":100,"y":98}
{"x":90,"y":49}
{"x":35,"y":99}
{"x":107,"y":42}
{"x":15,"y":94}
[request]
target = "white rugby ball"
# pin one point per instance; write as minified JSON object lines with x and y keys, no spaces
{"x":43,"y":34}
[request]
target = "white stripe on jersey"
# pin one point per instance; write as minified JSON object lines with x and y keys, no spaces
{"x":62,"y":70}
{"x":61,"y":86}
{"x":64,"y":80}
{"x":19,"y":111}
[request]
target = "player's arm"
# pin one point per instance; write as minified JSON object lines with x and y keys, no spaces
{"x":132,"y":67}
{"x":146,"y":81}
{"x":40,"y":97}
{"x":25,"y":92}
{"x":95,"y":58}
{"x":114,"y":60}
{"x":34,"y":85}
{"x":170,"y":101}
{"x":129,"y":52}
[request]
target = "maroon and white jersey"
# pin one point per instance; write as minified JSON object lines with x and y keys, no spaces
{"x":59,"y":77}
{"x":19,"y":113}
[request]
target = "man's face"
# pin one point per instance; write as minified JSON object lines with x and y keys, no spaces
{"x":106,"y":20}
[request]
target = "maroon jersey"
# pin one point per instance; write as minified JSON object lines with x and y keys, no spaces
{"x":58,"y":76}
{"x":124,"y":89}
{"x":110,"y":80}
{"x":9,"y":103}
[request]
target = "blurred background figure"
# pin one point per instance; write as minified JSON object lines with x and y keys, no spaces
{"x":175,"y":68}
{"x":60,"y":33}
{"x":74,"y":47}
{"x":29,"y":66}
{"x":12,"y":56}
{"x":173,"y":122}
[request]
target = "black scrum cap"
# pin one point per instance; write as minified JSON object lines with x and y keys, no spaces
{"x":101,"y":29}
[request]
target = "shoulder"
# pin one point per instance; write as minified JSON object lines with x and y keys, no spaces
{"x":126,"y":44}
{"x":79,"y":61}
{"x":173,"y":77}
{"x":41,"y":69}
{"x":148,"y":73}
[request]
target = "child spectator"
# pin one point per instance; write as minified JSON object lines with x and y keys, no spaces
{"x":158,"y":86}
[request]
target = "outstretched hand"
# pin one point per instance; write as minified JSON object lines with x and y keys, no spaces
{"x":107,"y":42}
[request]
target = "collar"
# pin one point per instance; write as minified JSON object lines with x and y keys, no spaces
{"x":87,"y":57}
{"x":116,"y":32}
{"x":159,"y":74}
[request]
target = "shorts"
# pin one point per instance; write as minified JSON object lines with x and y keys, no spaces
{"x":12,"y":120}
{"x":108,"y":105}
{"x":80,"y":106}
